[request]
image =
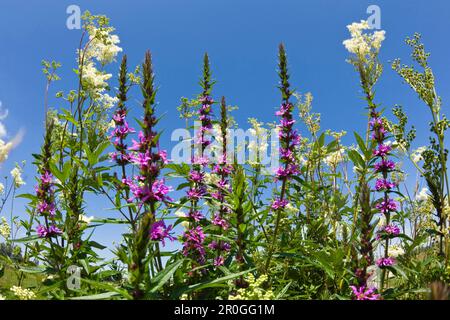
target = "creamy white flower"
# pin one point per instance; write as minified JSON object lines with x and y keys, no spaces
{"x":5,"y":229}
{"x":22,"y":293}
{"x":290,"y":209}
{"x":106,"y":101}
{"x":395,"y":251}
{"x":302,"y":161}
{"x":86,"y":219}
{"x":181,"y":214}
{"x":258,"y":145}
{"x":94,"y":80}
{"x":378,"y":38}
{"x":416,"y":155}
{"x":381,"y":222}
{"x":362,"y":43}
{"x":5,"y":148}
{"x":16,"y":174}
{"x":334,"y":158}
{"x":423,"y":194}
{"x":103,"y":45}
{"x":212,"y":179}
{"x":2,"y":298}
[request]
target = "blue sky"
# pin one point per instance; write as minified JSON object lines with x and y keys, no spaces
{"x":241,"y":38}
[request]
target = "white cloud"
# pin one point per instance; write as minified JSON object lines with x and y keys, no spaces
{"x":3,"y":115}
{"x":3,"y":132}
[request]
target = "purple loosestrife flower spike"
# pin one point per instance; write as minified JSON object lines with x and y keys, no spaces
{"x":193,"y":246}
{"x":146,"y":187}
{"x":44,"y":190}
{"x":121,"y":128}
{"x":386,"y":206}
{"x":364,"y":293}
{"x":289,"y":139}
{"x":223,"y":170}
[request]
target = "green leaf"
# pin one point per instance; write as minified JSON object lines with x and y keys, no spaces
{"x":211,"y":283}
{"x":361,"y":143}
{"x":37,"y":269}
{"x":101,"y":296}
{"x":26,"y":239}
{"x":161,"y":278}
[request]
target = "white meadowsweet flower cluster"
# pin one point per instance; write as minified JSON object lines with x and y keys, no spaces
{"x":258,"y":145}
{"x":181,"y":214}
{"x":5,"y":148}
{"x":422,"y":195}
{"x":107,"y":102}
{"x":290,"y":209}
{"x":255,"y":290}
{"x":211,"y":179}
{"x":381,"y":222}
{"x":5,"y":229}
{"x":416,"y":155}
{"x":334,"y":158}
{"x":396,"y":251}
{"x":216,"y":132}
{"x":362,"y":43}
{"x":22,"y":293}
{"x":16,"y":175}
{"x":101,"y":47}
{"x":2,"y":298}
{"x":95,"y":79}
{"x":86,"y":219}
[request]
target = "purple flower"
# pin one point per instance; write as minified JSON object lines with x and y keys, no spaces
{"x":196,"y":176}
{"x":221,"y":222}
{"x":196,"y":194}
{"x":383,"y":184}
{"x":364,"y":293}
{"x":385,"y":262}
{"x":279,"y":204}
{"x":384,"y":166}
{"x":202,"y":161}
{"x":382,"y":150}
{"x":219,"y":261}
{"x":158,"y":192}
{"x":387,"y":206}
{"x":290,"y":170}
{"x":46,"y":178}
{"x":143,"y":160}
{"x":375,"y":123}
{"x":119,"y":117}
{"x":222,"y":169}
{"x":196,"y":215}
{"x":193,"y":244}
{"x":389,"y":231}
{"x":122,"y":131}
{"x":162,"y":154}
{"x":220,"y":246}
{"x":45,"y":208}
{"x":159,"y":232}
{"x":285,"y":109}
{"x":286,"y":154}
{"x":52,"y":231}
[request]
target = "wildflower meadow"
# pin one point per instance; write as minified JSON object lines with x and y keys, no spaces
{"x":226,"y":209}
